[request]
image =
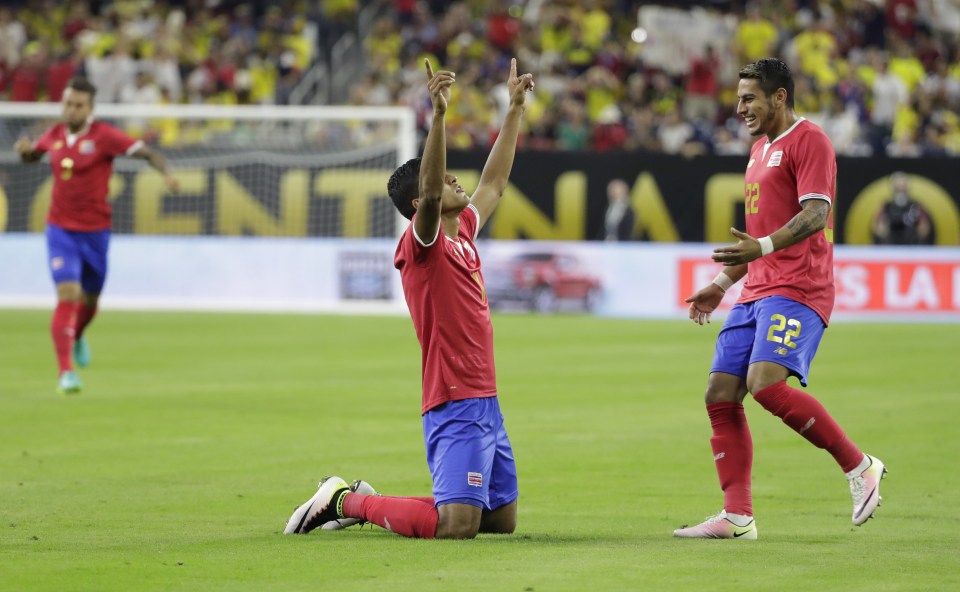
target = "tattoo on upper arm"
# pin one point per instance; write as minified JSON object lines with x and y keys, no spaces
{"x":811,"y":219}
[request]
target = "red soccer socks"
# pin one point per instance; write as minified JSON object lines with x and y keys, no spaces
{"x":811,"y":420}
{"x":408,"y":516}
{"x":62,"y":330}
{"x":733,"y":455}
{"x":85,"y":314}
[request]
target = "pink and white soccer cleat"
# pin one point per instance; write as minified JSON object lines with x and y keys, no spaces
{"x":719,"y":527}
{"x":865,"y":489}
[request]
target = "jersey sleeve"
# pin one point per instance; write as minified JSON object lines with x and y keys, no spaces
{"x":421,"y":247}
{"x":816,"y":168}
{"x":470,"y":221}
{"x":118,"y":143}
{"x":45,"y":142}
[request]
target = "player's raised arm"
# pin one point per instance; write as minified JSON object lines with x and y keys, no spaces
{"x":493,"y":180}
{"x":433,"y":167}
{"x":158,"y":162}
{"x":812,"y":218}
{"x":27,"y":150}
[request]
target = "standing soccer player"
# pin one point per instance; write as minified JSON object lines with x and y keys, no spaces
{"x":775,"y":328}
{"x":81,"y":153}
{"x":468,"y":452}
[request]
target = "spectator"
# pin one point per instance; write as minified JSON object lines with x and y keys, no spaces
{"x":619,"y":219}
{"x":27,"y":78}
{"x":573,"y":133}
{"x":112,"y":72}
{"x":889,"y":93}
{"x":902,"y":17}
{"x":609,"y":133}
{"x":59,"y":74}
{"x":166,"y":73}
{"x":142,"y":90}
{"x":13,"y":36}
{"x":755,"y":36}
{"x":502,"y":29}
{"x":700,"y":100}
{"x":675,"y":132}
{"x":902,"y":221}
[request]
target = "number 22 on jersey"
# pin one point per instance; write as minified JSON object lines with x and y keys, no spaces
{"x":751,"y":205}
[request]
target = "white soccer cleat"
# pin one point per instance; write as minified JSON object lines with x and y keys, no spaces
{"x":358,"y":486}
{"x":319,"y":509}
{"x":719,"y":527}
{"x":865,"y":489}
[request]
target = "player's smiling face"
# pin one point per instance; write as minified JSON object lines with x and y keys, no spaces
{"x":77,"y":107}
{"x":755,"y":107}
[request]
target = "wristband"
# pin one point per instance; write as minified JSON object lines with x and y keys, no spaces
{"x":766,"y":245}
{"x":723,"y":281}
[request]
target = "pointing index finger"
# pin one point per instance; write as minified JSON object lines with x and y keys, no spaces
{"x":426,"y":62}
{"x":513,"y":68}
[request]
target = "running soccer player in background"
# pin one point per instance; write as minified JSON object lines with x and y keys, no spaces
{"x":468,"y":451}
{"x":775,"y":327}
{"x":81,"y":153}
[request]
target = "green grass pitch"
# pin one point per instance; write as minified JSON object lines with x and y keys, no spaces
{"x":197,"y":434}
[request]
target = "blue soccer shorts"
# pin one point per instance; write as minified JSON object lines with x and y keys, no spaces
{"x":76,"y":256}
{"x":773,"y":329}
{"x":469,"y":454}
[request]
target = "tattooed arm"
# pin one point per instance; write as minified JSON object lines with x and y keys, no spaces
{"x":811,"y":219}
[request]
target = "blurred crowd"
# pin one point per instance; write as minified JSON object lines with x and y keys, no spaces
{"x":881,"y":76}
{"x":154,"y":51}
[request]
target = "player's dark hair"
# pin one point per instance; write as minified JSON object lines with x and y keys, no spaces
{"x":404,"y":187}
{"x":83,"y":85}
{"x":772,"y":75}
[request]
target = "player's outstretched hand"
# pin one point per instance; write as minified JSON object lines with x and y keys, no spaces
{"x":23,"y":146}
{"x":172,"y":183}
{"x":703,"y":303}
{"x":746,"y":250}
{"x":439,"y":84}
{"x":518,"y":85}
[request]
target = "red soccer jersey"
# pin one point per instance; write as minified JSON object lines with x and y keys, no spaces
{"x":82,"y":165}
{"x":799,"y":165}
{"x":448,"y":303}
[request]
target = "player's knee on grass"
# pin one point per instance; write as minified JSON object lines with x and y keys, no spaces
{"x":503,"y":520}
{"x":458,"y":521}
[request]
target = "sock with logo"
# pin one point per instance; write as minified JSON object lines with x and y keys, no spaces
{"x":806,"y":416}
{"x":733,"y":454}
{"x":62,"y":330}
{"x":85,"y":314}
{"x":407,"y":516}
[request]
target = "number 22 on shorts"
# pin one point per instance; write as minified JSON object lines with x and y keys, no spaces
{"x":783,"y":330}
